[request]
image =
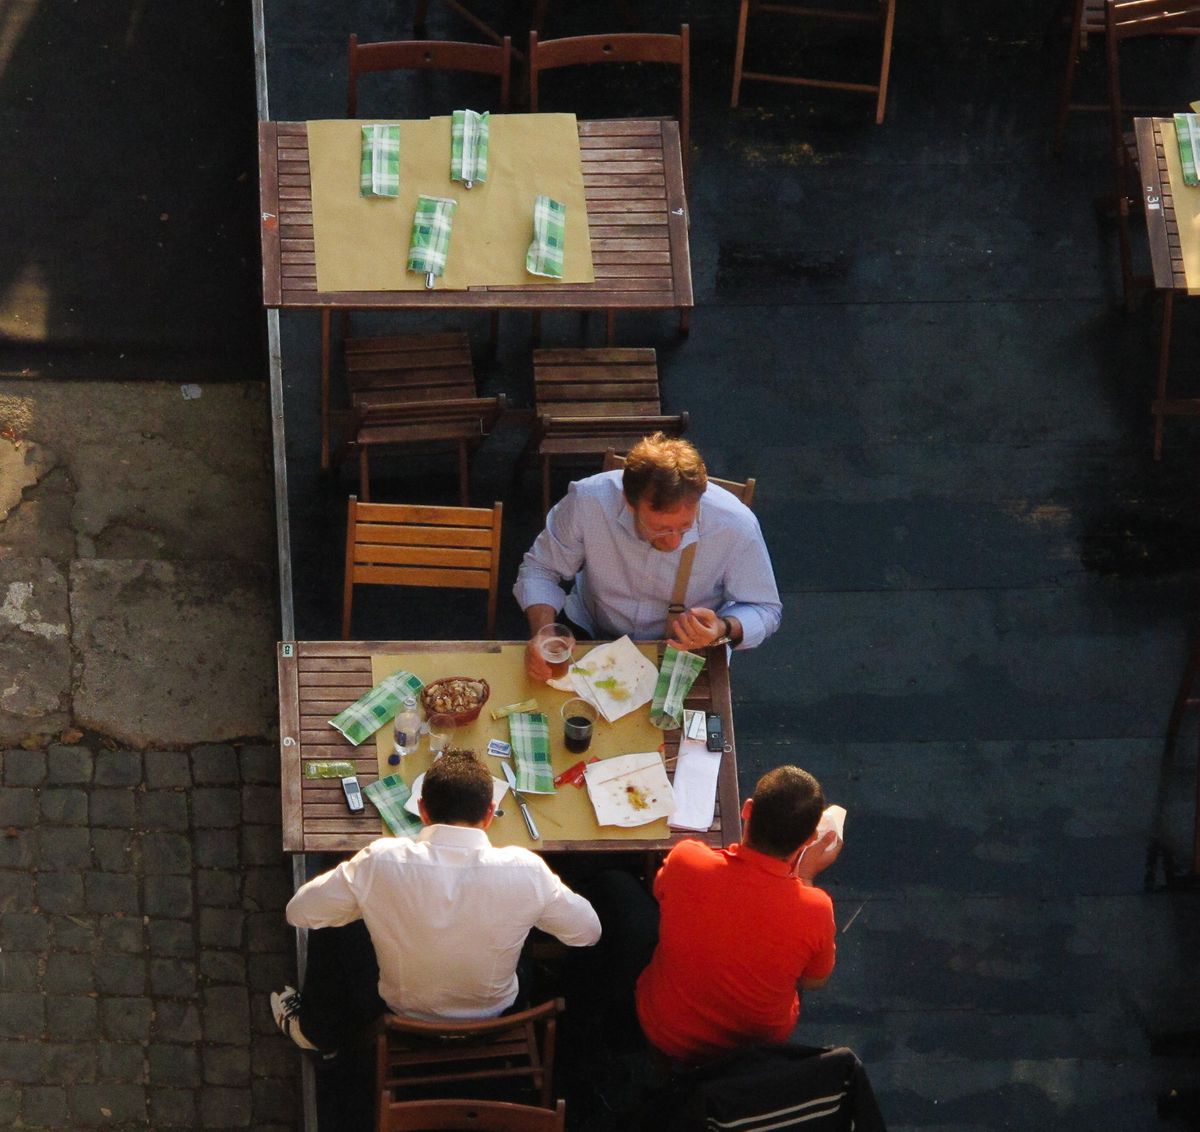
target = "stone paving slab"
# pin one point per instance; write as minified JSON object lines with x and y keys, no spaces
{"x":141,"y":932}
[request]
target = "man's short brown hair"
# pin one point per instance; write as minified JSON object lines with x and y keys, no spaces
{"x":457,"y":790}
{"x":664,"y":471}
{"x":787,"y":806}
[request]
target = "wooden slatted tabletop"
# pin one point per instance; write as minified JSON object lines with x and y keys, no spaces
{"x":1158,"y":198}
{"x":317,"y":679}
{"x":637,"y":221}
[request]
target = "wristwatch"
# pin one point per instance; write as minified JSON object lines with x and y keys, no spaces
{"x":724,"y":638}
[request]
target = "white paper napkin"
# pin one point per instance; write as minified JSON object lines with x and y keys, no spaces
{"x":615,"y":677}
{"x":629,"y":790}
{"x":695,"y":786}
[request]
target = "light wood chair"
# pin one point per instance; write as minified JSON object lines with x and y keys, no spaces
{"x":487,"y":1116}
{"x":744,"y":491}
{"x":590,"y":400}
{"x":514,"y":1050}
{"x":1126,"y":20}
{"x":416,"y":389}
{"x":400,"y":544}
{"x":428,"y":55}
{"x":885,"y":17}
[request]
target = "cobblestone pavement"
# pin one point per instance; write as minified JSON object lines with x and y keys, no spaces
{"x":141,"y":932}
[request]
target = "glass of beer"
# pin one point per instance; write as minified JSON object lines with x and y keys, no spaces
{"x":555,"y":643}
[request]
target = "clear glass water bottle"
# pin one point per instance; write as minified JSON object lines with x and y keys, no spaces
{"x":406,"y":727}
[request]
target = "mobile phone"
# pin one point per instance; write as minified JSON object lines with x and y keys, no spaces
{"x":353,"y":792}
{"x":714,"y":733}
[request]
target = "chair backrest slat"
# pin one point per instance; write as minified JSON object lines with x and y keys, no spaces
{"x":428,"y":55}
{"x":486,"y":1116}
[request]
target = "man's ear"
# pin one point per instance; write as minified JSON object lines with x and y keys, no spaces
{"x":747,"y":807}
{"x":423,"y":811}
{"x":489,"y":816}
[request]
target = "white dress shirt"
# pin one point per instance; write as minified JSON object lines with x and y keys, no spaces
{"x":623,"y":585}
{"x":448,"y":914}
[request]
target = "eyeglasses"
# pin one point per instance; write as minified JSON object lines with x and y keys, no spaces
{"x":662,"y":534}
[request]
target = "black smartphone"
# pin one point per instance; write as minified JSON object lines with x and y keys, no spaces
{"x":715,"y":733}
{"x":353,"y":792}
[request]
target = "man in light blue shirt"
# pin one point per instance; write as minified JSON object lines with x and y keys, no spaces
{"x":620,"y":537}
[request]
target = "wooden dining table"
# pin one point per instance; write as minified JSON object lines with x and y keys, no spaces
{"x":637,"y":224}
{"x":317,"y":679}
{"x":1166,"y":259}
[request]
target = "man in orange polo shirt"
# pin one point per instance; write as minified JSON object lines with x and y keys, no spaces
{"x":743,"y":929}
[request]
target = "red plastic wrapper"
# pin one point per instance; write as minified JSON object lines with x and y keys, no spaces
{"x":573,"y":775}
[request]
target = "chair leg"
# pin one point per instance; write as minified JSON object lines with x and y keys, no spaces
{"x":494,"y":333}
{"x":1126,"y":247}
{"x":535,"y":328}
{"x":1064,"y":101}
{"x":610,"y":328}
{"x":326,"y":332}
{"x":1164,"y":361}
{"x":422,"y":10}
{"x":364,"y":475}
{"x":739,"y":52}
{"x":685,"y":321}
{"x":464,"y":474}
{"x":889,"y":20}
{"x":545,"y":486}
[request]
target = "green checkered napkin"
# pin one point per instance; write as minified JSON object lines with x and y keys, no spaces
{"x":379,"y":174}
{"x":369,"y":713}
{"x":469,"y":146}
{"x":388,"y":796}
{"x":1187,"y":131}
{"x":545,"y":255}
{"x":431,"y":235}
{"x":529,"y":733}
{"x":675,"y":679}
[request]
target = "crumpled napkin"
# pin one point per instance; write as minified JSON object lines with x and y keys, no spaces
{"x":469,"y":136}
{"x":676,"y":676}
{"x":379,"y":173}
{"x":545,"y":255}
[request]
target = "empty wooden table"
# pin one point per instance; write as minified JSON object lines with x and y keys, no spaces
{"x":637,"y":223}
{"x":319,"y":678}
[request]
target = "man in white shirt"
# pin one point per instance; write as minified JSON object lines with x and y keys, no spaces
{"x":653,"y":539}
{"x":447,"y":915}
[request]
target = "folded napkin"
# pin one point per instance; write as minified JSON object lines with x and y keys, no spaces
{"x":379,"y":174}
{"x":469,"y":146}
{"x":545,"y":255}
{"x":675,"y":679}
{"x":431,"y":235}
{"x":694,"y":786}
{"x":388,"y":796}
{"x":1187,"y":131}
{"x":370,"y":712}
{"x":529,"y":733}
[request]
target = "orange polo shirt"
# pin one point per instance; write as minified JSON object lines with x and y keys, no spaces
{"x":736,"y":932}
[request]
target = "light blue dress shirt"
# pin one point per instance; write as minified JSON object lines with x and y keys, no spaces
{"x":623,"y":585}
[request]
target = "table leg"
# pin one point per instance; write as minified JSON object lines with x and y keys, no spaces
{"x":1164,"y":357}
{"x":326,"y":334}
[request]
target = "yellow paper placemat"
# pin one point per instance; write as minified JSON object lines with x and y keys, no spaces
{"x":1187,"y":210}
{"x":564,"y":816}
{"x":362,"y":242}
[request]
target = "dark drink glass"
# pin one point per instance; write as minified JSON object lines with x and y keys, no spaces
{"x":579,"y":718}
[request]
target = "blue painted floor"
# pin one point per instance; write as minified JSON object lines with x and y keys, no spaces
{"x":911,"y":335}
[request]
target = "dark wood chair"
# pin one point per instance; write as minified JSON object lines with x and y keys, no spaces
{"x":743,"y":490}
{"x":487,"y":1116}
{"x":590,"y":400}
{"x":512,"y":1051}
{"x":416,"y":389}
{"x":400,"y":544}
{"x":428,"y":55}
{"x":1126,"y":20}
{"x":885,"y":17}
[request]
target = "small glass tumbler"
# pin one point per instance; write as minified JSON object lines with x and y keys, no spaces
{"x":441,"y":731}
{"x":579,"y":718}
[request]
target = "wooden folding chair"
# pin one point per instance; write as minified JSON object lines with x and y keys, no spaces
{"x":400,"y":544}
{"x":416,"y":389}
{"x":514,"y":1050}
{"x":486,"y":1116}
{"x":743,"y":491}
{"x":590,"y":400}
{"x":428,"y":55}
{"x":886,"y":19}
{"x":1125,"y":20}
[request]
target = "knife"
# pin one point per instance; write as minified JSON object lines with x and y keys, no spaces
{"x":512,"y":785}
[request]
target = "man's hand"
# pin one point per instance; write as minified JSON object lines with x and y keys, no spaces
{"x":697,"y":629}
{"x":817,"y":857}
{"x":536,"y":667}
